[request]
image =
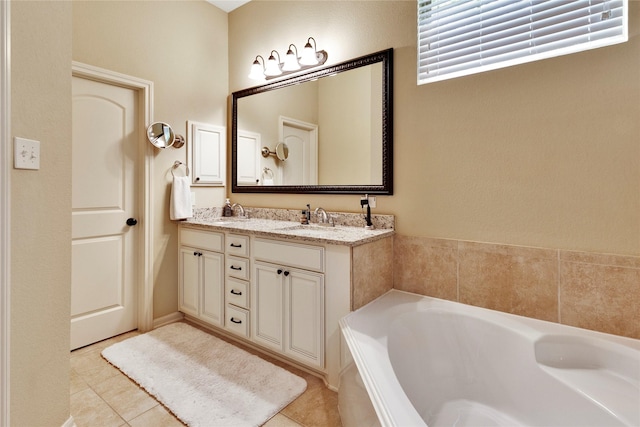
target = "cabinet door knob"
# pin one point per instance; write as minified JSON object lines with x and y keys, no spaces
{"x":131,"y":222}
{"x":279,"y":271}
{"x":195,"y":254}
{"x":286,"y":273}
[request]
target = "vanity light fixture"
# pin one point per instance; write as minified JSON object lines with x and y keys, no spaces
{"x":273,"y":67}
{"x":257,"y":69}
{"x":309,"y":53}
{"x":291,"y":60}
{"x":311,"y":57}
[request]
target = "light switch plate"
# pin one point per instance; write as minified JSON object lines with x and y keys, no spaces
{"x":26,"y":153}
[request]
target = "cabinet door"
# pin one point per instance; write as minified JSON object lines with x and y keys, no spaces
{"x":206,"y":146}
{"x":249,"y":154}
{"x":304,"y":320}
{"x":189,"y":277}
{"x":212,"y":308}
{"x":267,"y":298}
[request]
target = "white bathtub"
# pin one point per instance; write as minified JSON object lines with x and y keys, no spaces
{"x":425,"y":361}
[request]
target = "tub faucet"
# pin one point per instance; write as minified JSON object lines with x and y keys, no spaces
{"x":324,"y":219}
{"x":241,"y":209}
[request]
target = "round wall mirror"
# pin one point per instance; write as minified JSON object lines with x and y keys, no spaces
{"x":282,"y":151}
{"x":161,"y":135}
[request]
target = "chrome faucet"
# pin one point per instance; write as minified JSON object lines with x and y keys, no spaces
{"x":241,"y":209}
{"x":324,"y":219}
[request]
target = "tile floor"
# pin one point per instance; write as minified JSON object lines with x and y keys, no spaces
{"x":101,"y":396}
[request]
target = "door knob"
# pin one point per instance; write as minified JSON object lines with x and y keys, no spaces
{"x":131,"y":222}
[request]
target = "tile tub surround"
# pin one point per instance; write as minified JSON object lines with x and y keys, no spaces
{"x":592,"y":291}
{"x":372,"y":272}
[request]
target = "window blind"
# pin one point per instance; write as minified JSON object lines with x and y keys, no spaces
{"x":461,"y":37}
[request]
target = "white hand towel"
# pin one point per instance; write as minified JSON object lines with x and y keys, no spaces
{"x":180,"y":205}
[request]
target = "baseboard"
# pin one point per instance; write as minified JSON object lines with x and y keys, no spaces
{"x":69,"y":423}
{"x":169,"y":318}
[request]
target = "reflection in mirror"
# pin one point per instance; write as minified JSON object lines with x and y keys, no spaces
{"x":333,"y":126}
{"x":161,"y":135}
{"x":282,"y":151}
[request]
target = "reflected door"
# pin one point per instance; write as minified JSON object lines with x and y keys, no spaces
{"x":301,"y":167}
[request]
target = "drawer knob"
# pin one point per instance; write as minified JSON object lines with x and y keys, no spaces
{"x":233,"y":267}
{"x":233,"y":245}
{"x":234,"y":320}
{"x":234,"y":292}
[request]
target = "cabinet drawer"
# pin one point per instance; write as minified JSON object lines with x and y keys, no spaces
{"x":238,"y":267}
{"x":290,"y":254}
{"x":237,"y":245}
{"x":237,"y":320}
{"x":209,"y":240}
{"x":237,"y":292}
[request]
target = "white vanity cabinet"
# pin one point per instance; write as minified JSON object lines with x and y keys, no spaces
{"x":201,"y":275}
{"x":280,"y":294}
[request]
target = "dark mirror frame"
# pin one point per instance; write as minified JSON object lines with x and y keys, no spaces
{"x":386,"y":58}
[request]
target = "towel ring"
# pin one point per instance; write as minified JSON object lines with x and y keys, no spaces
{"x":176,"y":165}
{"x":267,"y":173}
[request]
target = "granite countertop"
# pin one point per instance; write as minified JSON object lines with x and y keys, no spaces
{"x":338,"y":235}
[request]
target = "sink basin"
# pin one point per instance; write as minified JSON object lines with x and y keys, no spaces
{"x":227,"y":220}
{"x":309,"y":229}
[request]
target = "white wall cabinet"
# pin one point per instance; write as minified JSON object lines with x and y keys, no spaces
{"x":288,"y":311}
{"x":206,"y":153}
{"x":201,"y":276}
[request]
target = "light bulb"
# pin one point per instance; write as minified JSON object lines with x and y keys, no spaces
{"x":290,"y":61}
{"x":257,"y":71}
{"x":308,"y":55}
{"x":272,"y":68}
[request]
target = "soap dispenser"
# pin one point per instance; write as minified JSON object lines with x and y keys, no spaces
{"x":226,"y":209}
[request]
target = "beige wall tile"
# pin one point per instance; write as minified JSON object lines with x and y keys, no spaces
{"x":372,"y":272}
{"x":600,"y":292}
{"x":512,"y":279}
{"x":426,"y":266}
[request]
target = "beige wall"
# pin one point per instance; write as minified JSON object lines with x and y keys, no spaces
{"x":40,"y":214}
{"x":543,"y":154}
{"x":182,"y":47}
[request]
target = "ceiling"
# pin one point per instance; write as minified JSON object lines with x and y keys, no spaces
{"x":228,"y":5}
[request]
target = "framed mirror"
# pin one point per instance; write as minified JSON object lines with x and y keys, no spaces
{"x":337,"y":125}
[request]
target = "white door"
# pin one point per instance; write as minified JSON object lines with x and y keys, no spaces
{"x":301,"y":167}
{"x":104,"y":243}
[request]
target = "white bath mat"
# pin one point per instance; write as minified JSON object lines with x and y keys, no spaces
{"x":203,"y":380}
